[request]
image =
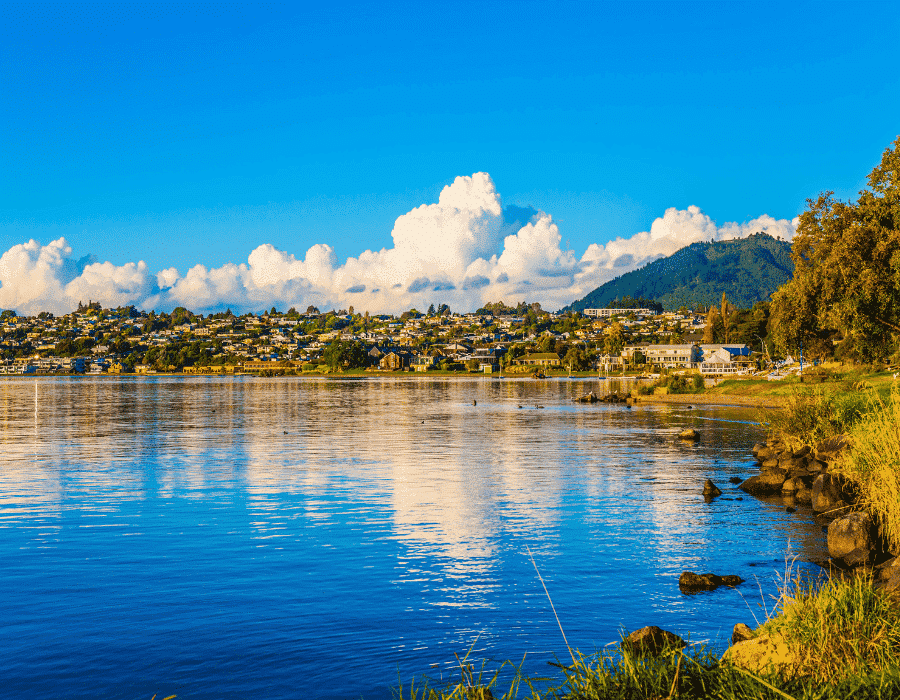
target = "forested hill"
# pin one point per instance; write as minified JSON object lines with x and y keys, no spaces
{"x":748,"y":270}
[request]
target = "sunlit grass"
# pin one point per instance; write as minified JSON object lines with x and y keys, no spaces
{"x":842,"y":628}
{"x":873,"y":463}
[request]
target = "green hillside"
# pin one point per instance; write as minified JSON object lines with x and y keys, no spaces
{"x":748,"y":270}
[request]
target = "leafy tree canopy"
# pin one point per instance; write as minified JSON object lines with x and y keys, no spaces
{"x":629,"y":302}
{"x":847,"y":271}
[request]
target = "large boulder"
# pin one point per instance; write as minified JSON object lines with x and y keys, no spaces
{"x":689,"y":434}
{"x":652,"y":641}
{"x":767,"y":653}
{"x":764,"y":484}
{"x":689,"y":582}
{"x":851,"y":539}
{"x":830,"y":494}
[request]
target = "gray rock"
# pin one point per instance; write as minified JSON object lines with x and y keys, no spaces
{"x":689,"y":582}
{"x":790,"y":486}
{"x":789,"y":463}
{"x":764,"y":484}
{"x":652,"y":641}
{"x":771,"y":463}
{"x":803,"y":496}
{"x":764,"y":453}
{"x":851,"y":539}
{"x":830,"y":494}
{"x":689,"y":434}
{"x":710,"y":489}
{"x":783,"y":473}
{"x":887,"y":577}
{"x":816,"y":466}
{"x":796,"y":483}
{"x":741,"y":633}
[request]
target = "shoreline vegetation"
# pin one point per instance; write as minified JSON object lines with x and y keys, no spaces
{"x":828,"y":637}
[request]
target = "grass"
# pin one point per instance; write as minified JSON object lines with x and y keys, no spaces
{"x":873,"y":463}
{"x":844,"y":633}
{"x":694,"y":675}
{"x":840,"y":629}
{"x":811,"y":415}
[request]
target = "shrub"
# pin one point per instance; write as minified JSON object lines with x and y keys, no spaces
{"x":811,"y":416}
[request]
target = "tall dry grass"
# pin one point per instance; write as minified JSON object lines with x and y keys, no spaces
{"x":873,"y":462}
{"x":840,"y":629}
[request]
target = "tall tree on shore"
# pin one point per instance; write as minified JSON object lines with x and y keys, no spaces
{"x":713,"y":323}
{"x":724,"y":312}
{"x":847,"y":270}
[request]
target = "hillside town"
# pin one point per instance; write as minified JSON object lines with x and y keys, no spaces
{"x":497,"y":338}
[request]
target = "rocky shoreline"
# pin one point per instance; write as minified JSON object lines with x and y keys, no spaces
{"x":805,"y":476}
{"x":810,"y":476}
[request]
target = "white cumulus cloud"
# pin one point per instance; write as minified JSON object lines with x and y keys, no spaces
{"x":464,"y":250}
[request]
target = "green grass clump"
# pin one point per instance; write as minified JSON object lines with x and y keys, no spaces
{"x":842,"y":629}
{"x":809,"y":416}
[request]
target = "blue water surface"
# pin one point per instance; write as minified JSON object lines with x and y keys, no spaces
{"x":295,"y":538}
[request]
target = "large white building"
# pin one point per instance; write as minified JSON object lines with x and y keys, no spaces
{"x":729,"y":358}
{"x":606,"y":313}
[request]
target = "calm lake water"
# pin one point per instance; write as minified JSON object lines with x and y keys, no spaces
{"x":288,"y":538}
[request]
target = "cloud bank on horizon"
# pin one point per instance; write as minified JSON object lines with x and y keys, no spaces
{"x":465,"y":250}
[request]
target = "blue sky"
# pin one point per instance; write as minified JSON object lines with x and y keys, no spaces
{"x":181,"y":134}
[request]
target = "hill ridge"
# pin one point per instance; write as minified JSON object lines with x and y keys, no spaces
{"x":747,"y":270}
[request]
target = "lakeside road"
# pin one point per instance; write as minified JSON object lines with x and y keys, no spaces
{"x":714,"y":400}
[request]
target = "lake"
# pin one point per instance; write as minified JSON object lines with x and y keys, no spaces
{"x":286,"y":538}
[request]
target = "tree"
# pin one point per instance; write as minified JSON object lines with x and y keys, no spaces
{"x":577,"y":359}
{"x":847,"y":271}
{"x":713,"y":324}
{"x":725,"y":316}
{"x":614,"y":340}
